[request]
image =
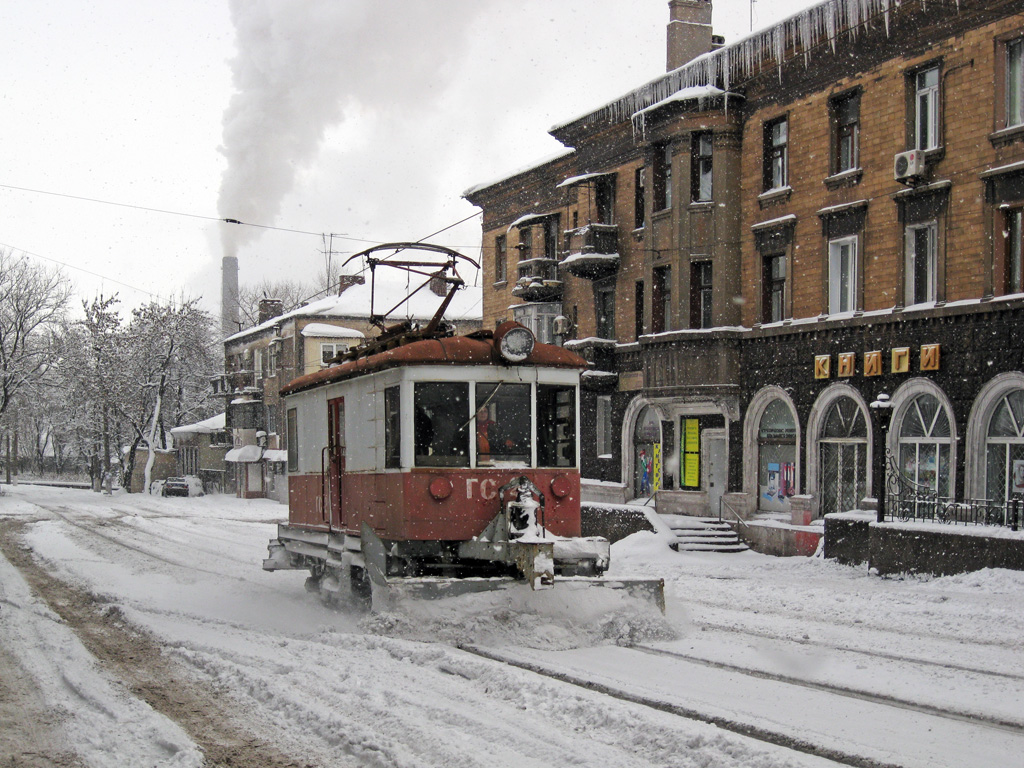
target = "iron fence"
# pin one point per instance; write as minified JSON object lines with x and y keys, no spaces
{"x":907,"y":500}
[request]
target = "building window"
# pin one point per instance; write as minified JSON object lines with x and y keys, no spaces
{"x":638,"y":309}
{"x":604,"y":194}
{"x":661,"y":300}
{"x":663,"y":177}
{"x":922,"y":263}
{"x":925,"y":443}
{"x":539,"y":317}
{"x":605,"y":301}
{"x":700,"y":167}
{"x":272,"y":353}
{"x":550,"y":228}
{"x":1004,"y":450}
{"x":926,"y":108}
{"x":776,"y":451}
{"x":293,"y":439}
{"x":700,"y":294}
{"x":328,"y":351}
{"x":776,"y":154}
{"x":846,"y":132}
{"x":500,"y":259}
{"x":842,"y":275}
{"x":640,"y":198}
{"x":257,"y":364}
{"x":1015,"y":83}
{"x":773,"y":289}
{"x":604,"y":427}
{"x":1013,"y":268}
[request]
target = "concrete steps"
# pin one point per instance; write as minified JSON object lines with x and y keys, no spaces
{"x":703,"y":534}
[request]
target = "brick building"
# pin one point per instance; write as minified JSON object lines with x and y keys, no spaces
{"x":754,"y":247}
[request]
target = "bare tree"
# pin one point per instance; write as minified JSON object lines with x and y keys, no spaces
{"x":291,"y":293}
{"x":33,"y":299}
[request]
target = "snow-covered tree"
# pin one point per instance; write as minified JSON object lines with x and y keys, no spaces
{"x":33,"y":299}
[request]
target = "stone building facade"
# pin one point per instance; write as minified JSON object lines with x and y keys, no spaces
{"x":754,"y":247}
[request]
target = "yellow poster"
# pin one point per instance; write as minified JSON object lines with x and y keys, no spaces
{"x":692,"y":436}
{"x":656,"y":461}
{"x":691,"y":470}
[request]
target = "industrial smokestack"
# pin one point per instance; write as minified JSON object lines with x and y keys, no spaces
{"x":229,"y":295}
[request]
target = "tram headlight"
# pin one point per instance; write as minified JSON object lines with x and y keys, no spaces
{"x":515,"y":342}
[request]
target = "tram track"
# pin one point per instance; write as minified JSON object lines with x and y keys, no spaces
{"x":951,"y":666}
{"x":766,"y":729}
{"x":763,"y":734}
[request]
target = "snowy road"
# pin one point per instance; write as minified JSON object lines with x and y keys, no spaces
{"x":173,"y":616}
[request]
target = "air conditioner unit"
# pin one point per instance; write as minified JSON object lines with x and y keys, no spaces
{"x":908,"y":165}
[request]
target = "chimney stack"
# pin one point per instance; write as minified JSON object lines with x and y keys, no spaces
{"x":689,"y":31}
{"x":270,"y":308}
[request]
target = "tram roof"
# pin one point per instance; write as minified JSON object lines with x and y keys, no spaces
{"x":451,"y":350}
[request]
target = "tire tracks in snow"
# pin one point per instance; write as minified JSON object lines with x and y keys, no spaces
{"x":137,"y":660}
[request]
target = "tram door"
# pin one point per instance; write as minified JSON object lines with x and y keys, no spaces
{"x":335,"y":461}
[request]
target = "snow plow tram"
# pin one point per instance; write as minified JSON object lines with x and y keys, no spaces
{"x":428,"y":464}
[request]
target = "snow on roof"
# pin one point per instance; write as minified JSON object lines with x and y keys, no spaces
{"x":354,"y":302}
{"x":206,"y":427}
{"x":246,"y":454}
{"x":331,"y":331}
{"x":512,"y":174}
{"x":581,"y":178}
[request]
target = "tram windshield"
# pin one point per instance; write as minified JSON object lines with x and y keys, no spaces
{"x":441,"y":424}
{"x":502,"y":424}
{"x":505,"y":427}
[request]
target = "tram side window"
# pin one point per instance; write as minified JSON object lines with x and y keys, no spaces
{"x":502,"y":424}
{"x":556,"y":426}
{"x":392,"y":428}
{"x":293,"y":440}
{"x":441,"y":423}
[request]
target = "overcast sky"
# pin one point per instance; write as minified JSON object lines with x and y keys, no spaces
{"x":362,"y":118}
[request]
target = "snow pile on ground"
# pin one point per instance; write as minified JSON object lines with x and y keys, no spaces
{"x":569,"y":615}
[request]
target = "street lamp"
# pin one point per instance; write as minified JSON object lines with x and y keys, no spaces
{"x":882,"y":408}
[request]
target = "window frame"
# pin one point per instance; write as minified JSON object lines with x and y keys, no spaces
{"x":836,"y":294}
{"x":701,"y":294}
{"x":661,"y":299}
{"x":772,"y":286}
{"x":604,"y":311}
{"x":1014,"y":49}
{"x":932,"y":97}
{"x":911,"y":293}
{"x":702,"y":152}
{"x":845,"y":126}
{"x":662,"y":177}
{"x":501,"y":259}
{"x":776,"y":155}
{"x":640,"y":198}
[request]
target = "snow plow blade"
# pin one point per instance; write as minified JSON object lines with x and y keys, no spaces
{"x":388,"y":594}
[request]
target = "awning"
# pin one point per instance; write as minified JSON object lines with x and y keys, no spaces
{"x":281,"y":456}
{"x":530,"y":218}
{"x":246,"y":454}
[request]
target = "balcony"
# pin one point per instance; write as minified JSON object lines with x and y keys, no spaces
{"x":593,"y":251}
{"x":538,"y":280}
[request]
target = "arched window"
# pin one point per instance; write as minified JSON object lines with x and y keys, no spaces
{"x":1004,"y":448}
{"x":924,"y":437}
{"x":776,"y":467}
{"x":843,"y":459}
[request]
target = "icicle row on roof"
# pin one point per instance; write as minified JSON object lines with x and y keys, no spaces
{"x":746,"y":57}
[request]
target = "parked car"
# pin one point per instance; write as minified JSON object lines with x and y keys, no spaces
{"x":176,"y":486}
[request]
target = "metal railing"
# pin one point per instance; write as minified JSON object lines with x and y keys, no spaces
{"x":907,"y":500}
{"x":723,"y":503}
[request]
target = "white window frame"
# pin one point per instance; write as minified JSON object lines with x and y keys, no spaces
{"x":840,"y":300}
{"x":1015,"y":83}
{"x":335,"y":346}
{"x":926,"y":110}
{"x":539,"y":317}
{"x":931,"y":230}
